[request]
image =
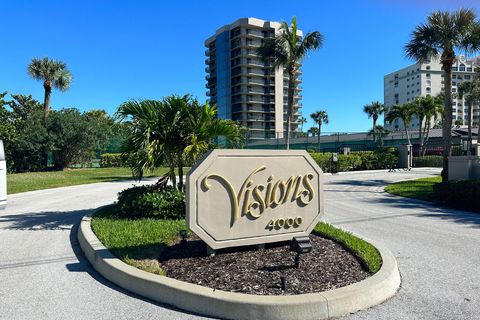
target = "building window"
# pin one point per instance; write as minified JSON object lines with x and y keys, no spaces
{"x":454,"y":83}
{"x":428,"y":68}
{"x":469,"y":69}
{"x":462,"y":67}
{"x":428,"y":75}
{"x":467,"y":77}
{"x":454,"y":89}
{"x":429,"y":83}
{"x":427,"y":89}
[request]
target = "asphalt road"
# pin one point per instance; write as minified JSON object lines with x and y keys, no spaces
{"x":43,"y":274}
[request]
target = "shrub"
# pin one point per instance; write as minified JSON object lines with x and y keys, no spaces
{"x":146,"y":202}
{"x":108,"y":160}
{"x":384,"y":158}
{"x":462,"y":194}
{"x":428,"y":161}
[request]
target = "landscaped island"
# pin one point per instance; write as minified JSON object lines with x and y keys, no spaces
{"x":154,"y":244}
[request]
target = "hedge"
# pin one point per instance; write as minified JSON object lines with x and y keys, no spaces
{"x":108,"y":160}
{"x":463,"y":194}
{"x":384,"y":158}
{"x":428,"y":161}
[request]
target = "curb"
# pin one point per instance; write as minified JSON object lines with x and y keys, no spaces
{"x":375,"y":171}
{"x":229,"y":305}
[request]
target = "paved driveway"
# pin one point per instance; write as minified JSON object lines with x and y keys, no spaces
{"x":44,"y":276}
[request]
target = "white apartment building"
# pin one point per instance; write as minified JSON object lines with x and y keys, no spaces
{"x":426,"y":79}
{"x":242,"y":86}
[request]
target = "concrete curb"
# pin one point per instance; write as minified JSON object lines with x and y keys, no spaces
{"x":229,"y":305}
{"x":378,"y":171}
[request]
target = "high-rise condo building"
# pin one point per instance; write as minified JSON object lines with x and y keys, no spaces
{"x":426,"y":79}
{"x":242,"y":86}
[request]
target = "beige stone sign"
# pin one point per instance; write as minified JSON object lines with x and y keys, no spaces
{"x":245,"y":197}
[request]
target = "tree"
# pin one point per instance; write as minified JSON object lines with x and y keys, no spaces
{"x":53,"y":73}
{"x":313,"y":131}
{"x":22,"y":129}
{"x":173,"y":132}
{"x":374,"y":110}
{"x":471,"y":91}
{"x":72,"y":137}
{"x":287,"y":50}
{"x":427,"y":109}
{"x":379,"y":133}
{"x":319,"y":117}
{"x":443,"y":34}
{"x":102,"y":127}
{"x":403,"y":112}
{"x":302,"y":121}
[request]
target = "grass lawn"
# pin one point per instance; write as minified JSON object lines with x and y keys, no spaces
{"x":418,"y":189}
{"x":136,"y":242}
{"x":139,"y":242}
{"x":29,"y":181}
{"x":367,"y":253}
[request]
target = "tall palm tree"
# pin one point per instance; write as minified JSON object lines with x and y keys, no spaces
{"x":319,"y":117}
{"x":174,"y":131}
{"x":374,"y":110}
{"x":302,"y":121}
{"x":403,"y":112}
{"x":442,"y":34}
{"x":471,"y":91}
{"x":286,"y":51}
{"x":53,"y":73}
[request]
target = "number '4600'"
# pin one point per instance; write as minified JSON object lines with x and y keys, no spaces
{"x":285,"y":223}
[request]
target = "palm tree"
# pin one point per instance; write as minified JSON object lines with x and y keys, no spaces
{"x":379,"y":133}
{"x":427,"y":109}
{"x":471,"y":91}
{"x":374,"y":110}
{"x":53,"y":73}
{"x":403,"y":112}
{"x":302,"y":121}
{"x":286,"y":51}
{"x":173,"y":132}
{"x":442,"y":34}
{"x":319,"y":117}
{"x":313,"y":131}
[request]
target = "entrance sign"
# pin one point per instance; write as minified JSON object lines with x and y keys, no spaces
{"x":245,"y":197}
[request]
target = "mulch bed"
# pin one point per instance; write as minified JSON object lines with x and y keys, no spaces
{"x":258,"y":271}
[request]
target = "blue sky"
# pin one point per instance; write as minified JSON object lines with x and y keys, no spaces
{"x":117,"y":50}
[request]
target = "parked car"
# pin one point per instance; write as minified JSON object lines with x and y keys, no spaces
{"x":3,"y":178}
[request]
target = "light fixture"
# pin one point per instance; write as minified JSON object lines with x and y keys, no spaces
{"x":183,"y":234}
{"x":300,"y":245}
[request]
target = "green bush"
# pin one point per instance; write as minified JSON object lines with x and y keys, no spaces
{"x":146,"y":202}
{"x":109,"y":160}
{"x":384,"y":158}
{"x":462,"y":194}
{"x":428,"y":161}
